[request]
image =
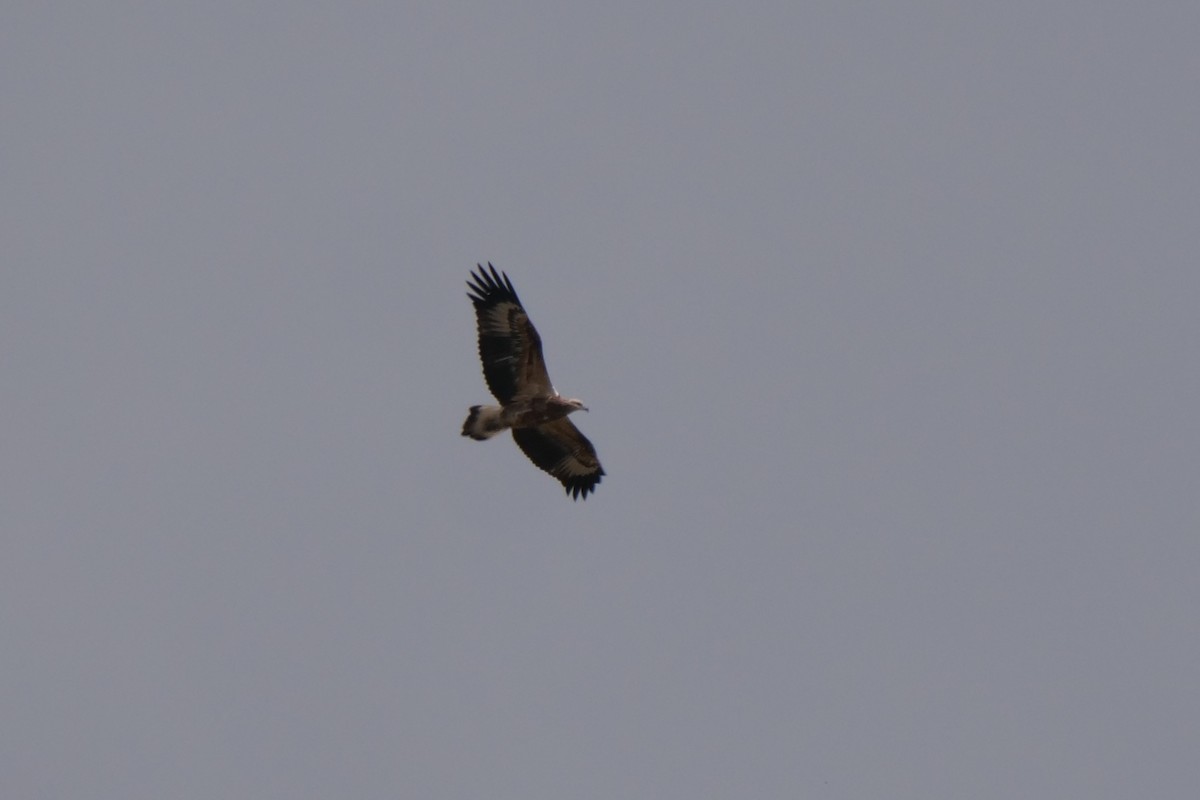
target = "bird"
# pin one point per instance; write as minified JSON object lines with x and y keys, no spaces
{"x":515,"y":372}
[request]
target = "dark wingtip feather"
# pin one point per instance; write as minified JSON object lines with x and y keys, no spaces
{"x":491,"y":288}
{"x":579,"y":488}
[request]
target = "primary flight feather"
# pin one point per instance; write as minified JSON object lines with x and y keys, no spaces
{"x":511,"y":352}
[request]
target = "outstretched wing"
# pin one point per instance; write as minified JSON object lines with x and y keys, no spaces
{"x":509,"y":345}
{"x":559,"y":448}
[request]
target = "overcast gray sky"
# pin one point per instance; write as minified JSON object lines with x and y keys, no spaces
{"x":886,"y":313}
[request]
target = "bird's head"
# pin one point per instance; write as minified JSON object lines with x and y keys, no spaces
{"x":575,"y":405}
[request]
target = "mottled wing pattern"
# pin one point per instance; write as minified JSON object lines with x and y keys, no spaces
{"x":509,"y":345}
{"x":562,"y":450}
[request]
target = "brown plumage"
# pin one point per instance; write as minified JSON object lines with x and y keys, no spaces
{"x":515,"y":372}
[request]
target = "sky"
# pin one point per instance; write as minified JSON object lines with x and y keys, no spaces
{"x":885,"y":312}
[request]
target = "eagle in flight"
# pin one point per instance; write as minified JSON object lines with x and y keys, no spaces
{"x":511,"y":352}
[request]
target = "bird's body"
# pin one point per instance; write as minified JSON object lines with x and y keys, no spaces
{"x":484,"y":422}
{"x":511,"y":352}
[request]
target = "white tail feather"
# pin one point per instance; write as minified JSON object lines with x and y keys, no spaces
{"x":483,"y":422}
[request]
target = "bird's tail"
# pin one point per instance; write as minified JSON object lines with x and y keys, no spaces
{"x":483,"y":422}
